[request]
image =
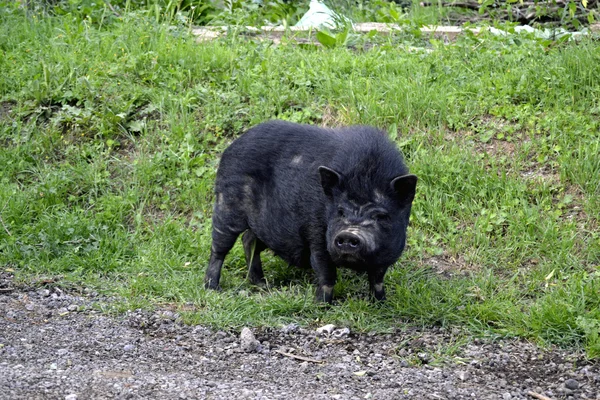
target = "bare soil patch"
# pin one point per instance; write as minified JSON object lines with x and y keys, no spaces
{"x":54,"y":344}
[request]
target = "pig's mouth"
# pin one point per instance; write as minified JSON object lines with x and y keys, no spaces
{"x":349,"y":246}
{"x":350,"y":259}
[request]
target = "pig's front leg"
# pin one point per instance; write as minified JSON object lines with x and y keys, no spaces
{"x":376,"y":283}
{"x":326,"y":275}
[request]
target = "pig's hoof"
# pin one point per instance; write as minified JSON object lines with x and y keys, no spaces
{"x":325,"y":294}
{"x":258,"y":281}
{"x":379,"y":296}
{"x":211,"y":285}
{"x":378,"y":292}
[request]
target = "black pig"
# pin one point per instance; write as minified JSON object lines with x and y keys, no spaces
{"x":318,"y":197}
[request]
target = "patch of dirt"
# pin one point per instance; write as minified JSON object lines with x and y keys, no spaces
{"x":331,"y":118}
{"x":544,"y":173}
{"x":449,"y":266}
{"x":494,"y":136}
{"x":6,"y":109}
{"x":564,"y":195}
{"x":497,"y":148}
{"x":574,"y":208}
{"x":54,"y":344}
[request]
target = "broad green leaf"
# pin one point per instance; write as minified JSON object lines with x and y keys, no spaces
{"x":326,"y":39}
{"x":393,"y":131}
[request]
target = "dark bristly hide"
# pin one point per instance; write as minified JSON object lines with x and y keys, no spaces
{"x":323,"y":198}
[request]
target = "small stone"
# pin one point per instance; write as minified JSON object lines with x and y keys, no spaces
{"x":339,"y":333}
{"x":507,"y":396}
{"x":290,"y":328}
{"x":248,"y":342}
{"x":571,"y":384}
{"x":71,"y":396}
{"x":326,"y":329}
{"x":463,"y":375}
{"x":169,"y":315}
{"x":129,"y":347}
{"x":73,"y":307}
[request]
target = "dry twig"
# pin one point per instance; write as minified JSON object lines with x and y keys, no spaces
{"x":538,"y":396}
{"x":283,"y":353}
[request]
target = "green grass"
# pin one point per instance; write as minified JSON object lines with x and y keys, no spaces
{"x":110,"y":135}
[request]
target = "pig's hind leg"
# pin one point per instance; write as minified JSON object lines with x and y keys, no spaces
{"x":228,"y":223}
{"x":252,"y":248}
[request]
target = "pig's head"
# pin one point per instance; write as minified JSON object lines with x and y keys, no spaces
{"x":366,"y":219}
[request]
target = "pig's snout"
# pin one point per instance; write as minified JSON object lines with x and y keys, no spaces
{"x":347,"y":242}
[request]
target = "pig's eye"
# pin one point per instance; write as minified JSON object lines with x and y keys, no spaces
{"x":381,"y":217}
{"x":341,"y":212}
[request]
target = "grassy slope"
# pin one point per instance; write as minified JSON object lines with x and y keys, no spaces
{"x":110,"y":139}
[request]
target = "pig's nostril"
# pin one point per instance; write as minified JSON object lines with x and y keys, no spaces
{"x":346,"y":241}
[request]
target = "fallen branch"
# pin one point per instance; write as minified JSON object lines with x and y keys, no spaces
{"x":538,"y":396}
{"x":313,"y":360}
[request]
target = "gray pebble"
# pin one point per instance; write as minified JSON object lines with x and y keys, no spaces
{"x":248,"y":342}
{"x":290,"y":328}
{"x":129,"y":347}
{"x":571,"y":384}
{"x":326,"y":329}
{"x":463,"y":375}
{"x":341,"y":332}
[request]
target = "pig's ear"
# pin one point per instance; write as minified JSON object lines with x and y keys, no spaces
{"x":329,"y":179}
{"x":405,"y":187}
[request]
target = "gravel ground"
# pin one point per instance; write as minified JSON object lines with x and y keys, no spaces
{"x":53,"y":345}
